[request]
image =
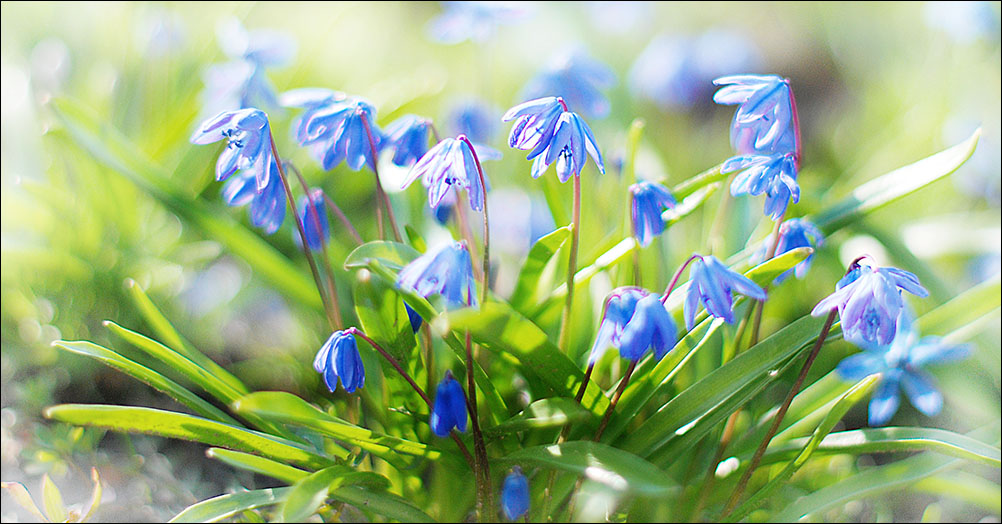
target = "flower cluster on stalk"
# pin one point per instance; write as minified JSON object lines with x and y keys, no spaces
{"x":335,"y":127}
{"x":635,"y":320}
{"x":712,"y":285}
{"x":551,"y":133}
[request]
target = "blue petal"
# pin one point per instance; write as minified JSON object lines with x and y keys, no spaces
{"x":884,"y":403}
{"x":922,"y":392}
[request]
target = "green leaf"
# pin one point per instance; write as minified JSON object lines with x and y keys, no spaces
{"x":611,"y":257}
{"x":842,"y":405}
{"x":20,"y":494}
{"x":385,"y":504}
{"x":502,"y":330}
{"x":393,"y":255}
{"x":257,"y":464}
{"x":415,"y":239}
{"x":963,"y":309}
{"x":290,"y":409}
{"x":223,"y":506}
{"x":52,"y":500}
{"x":110,"y":148}
{"x":383,"y":315}
{"x":149,"y":377}
{"x":310,"y":492}
{"x":874,"y":481}
{"x":187,"y":427}
{"x":704,"y":398}
{"x":527,"y":285}
{"x":889,"y":187}
{"x":166,"y":332}
{"x":692,"y":184}
{"x":895,"y":439}
{"x":545,"y":413}
{"x":964,"y":486}
{"x":616,"y":469}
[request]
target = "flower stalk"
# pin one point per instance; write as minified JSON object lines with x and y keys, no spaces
{"x":380,"y":194}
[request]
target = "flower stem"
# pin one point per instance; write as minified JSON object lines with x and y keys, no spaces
{"x":572,"y":262}
{"x":315,"y":218}
{"x":615,"y":400}
{"x":674,"y":279}
{"x":344,"y":220}
{"x":380,"y":194}
{"x":487,"y":229}
{"x":332,"y":318}
{"x":743,"y":483}
{"x":483,"y":477}
{"x":761,"y":305}
{"x":396,"y":365}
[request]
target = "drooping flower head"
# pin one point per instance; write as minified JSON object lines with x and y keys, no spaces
{"x":869,"y":301}
{"x":449,"y":408}
{"x":515,"y":494}
{"x":649,"y":199}
{"x":552,"y":133}
{"x":901,"y":363}
{"x":766,"y":120}
{"x":447,"y":272}
{"x":793,"y":233}
{"x":451,"y":164}
{"x":335,"y":127}
{"x":267,"y":207}
{"x":635,"y":320}
{"x":775,"y":175}
{"x":578,"y":79}
{"x":316,"y":226}
{"x":712,"y":284}
{"x":407,"y":137}
{"x":339,"y":358}
{"x":474,"y":21}
{"x":248,"y":145}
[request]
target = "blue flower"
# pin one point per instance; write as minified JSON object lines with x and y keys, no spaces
{"x":712,"y":283}
{"x":901,"y":363}
{"x":338,"y":358}
{"x":765,"y":122}
{"x":648,"y":200}
{"x":241,"y":83}
{"x":635,"y":320}
{"x":451,"y":164}
{"x":414,"y":318}
{"x":407,"y":137}
{"x":335,"y":128}
{"x":570,"y":141}
{"x":475,"y":119}
{"x":267,"y":207}
{"x":774,"y":175}
{"x":794,"y":233}
{"x":447,"y":272}
{"x":515,"y":494}
{"x":248,"y":145}
{"x":578,"y":79}
{"x":869,"y":301}
{"x":449,"y":409}
{"x":535,"y":122}
{"x":474,"y":21}
{"x":317,"y":234}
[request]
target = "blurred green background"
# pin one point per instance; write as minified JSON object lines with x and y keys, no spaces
{"x":878,"y":86}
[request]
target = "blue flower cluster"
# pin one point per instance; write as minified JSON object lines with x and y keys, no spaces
{"x":550,"y":132}
{"x":766,"y":134}
{"x":339,"y":358}
{"x":447,"y":272}
{"x":711,"y":284}
{"x":578,"y":79}
{"x":449,"y":409}
{"x":649,"y":199}
{"x":634,"y":321}
{"x":335,"y":127}
{"x":900,"y":364}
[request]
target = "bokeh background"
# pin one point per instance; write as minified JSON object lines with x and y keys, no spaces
{"x":878,"y":86}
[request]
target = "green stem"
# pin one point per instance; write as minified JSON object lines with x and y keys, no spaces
{"x":380,"y":194}
{"x":480,"y":450}
{"x":572,"y":261}
{"x":615,"y":400}
{"x":743,"y":483}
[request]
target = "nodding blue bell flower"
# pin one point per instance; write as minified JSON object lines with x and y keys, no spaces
{"x":774,"y":175}
{"x":648,"y":201}
{"x":449,"y":408}
{"x":267,"y":207}
{"x":869,"y":301}
{"x":515,"y":494}
{"x":901,"y":363}
{"x":335,"y":127}
{"x":793,"y":233}
{"x":407,"y":137}
{"x":712,"y":284}
{"x":451,"y":164}
{"x":339,"y":358}
{"x":766,"y":120}
{"x":578,"y":79}
{"x":635,"y":320}
{"x":552,"y":133}
{"x":316,"y":227}
{"x":535,"y":122}
{"x":447,"y":271}
{"x":248,"y":146}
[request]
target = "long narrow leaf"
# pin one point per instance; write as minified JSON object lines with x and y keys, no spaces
{"x":223,"y":506}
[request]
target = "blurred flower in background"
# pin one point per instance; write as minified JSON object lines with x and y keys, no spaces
{"x":577,"y":78}
{"x":474,"y":118}
{"x":476,"y":21}
{"x":964,"y":22}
